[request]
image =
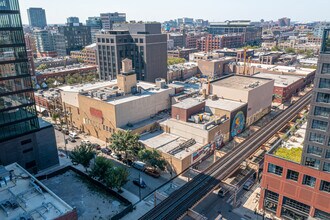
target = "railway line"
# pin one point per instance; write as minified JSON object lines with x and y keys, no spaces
{"x":181,"y":200}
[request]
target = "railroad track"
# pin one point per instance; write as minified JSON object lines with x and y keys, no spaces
{"x":178,"y":202}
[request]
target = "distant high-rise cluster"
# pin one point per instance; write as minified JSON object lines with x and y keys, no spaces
{"x":37,"y":17}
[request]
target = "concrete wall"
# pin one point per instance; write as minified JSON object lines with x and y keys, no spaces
{"x":70,"y":98}
{"x":39,"y":146}
{"x":184,"y":114}
{"x":142,"y":108}
{"x":230,"y":93}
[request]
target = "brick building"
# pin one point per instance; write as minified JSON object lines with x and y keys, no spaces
{"x":211,"y":42}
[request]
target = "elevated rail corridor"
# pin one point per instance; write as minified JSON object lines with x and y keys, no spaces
{"x":181,"y":200}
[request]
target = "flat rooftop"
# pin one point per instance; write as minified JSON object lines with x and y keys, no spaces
{"x":241,"y":82}
{"x":169,"y":143}
{"x":24,"y":196}
{"x":188,"y":103}
{"x":88,"y":86}
{"x":224,"y":104}
{"x":280,"y":80}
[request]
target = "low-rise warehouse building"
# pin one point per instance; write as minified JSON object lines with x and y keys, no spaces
{"x":102,"y":108}
{"x":215,"y":68}
{"x":256,"y":92}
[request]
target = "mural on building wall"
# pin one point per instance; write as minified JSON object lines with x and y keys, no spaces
{"x":238,"y":124}
{"x":202,"y":152}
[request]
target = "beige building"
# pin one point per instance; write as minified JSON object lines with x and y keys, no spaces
{"x":104,"y":107}
{"x":256,"y":92}
{"x":215,"y":68}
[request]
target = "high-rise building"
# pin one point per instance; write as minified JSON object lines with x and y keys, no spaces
{"x":23,"y":137}
{"x":37,"y":17}
{"x":299,"y":188}
{"x":44,"y":41}
{"x":319,"y":28}
{"x":143,"y":43}
{"x":72,"y":20}
{"x":108,"y":19}
{"x":284,"y":22}
{"x":252,"y":34}
{"x":95,"y":24}
{"x":316,"y":152}
{"x":73,"y":36}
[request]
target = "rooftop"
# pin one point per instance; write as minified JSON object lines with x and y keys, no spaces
{"x":88,"y":86}
{"x":23,"y":196}
{"x":280,"y":80}
{"x":224,"y":104}
{"x":241,"y":82}
{"x":62,"y":68}
{"x":188,"y":103}
{"x":169,"y":143}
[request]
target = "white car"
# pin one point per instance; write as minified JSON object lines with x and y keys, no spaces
{"x":73,"y":135}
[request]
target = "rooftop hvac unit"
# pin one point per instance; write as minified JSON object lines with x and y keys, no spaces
{"x":160,"y":83}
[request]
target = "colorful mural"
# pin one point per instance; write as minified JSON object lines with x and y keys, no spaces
{"x":238,"y":124}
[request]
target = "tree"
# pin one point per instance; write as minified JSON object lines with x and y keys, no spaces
{"x":175,"y":60}
{"x":153,"y":158}
{"x":82,"y":154}
{"x":42,"y":67}
{"x":125,"y":141}
{"x":50,"y":82}
{"x":55,"y":116}
{"x":275,"y":48}
{"x":290,"y":50}
{"x":100,"y":168}
{"x":116,"y":177}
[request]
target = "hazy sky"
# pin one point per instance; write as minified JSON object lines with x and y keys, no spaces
{"x":159,"y":10}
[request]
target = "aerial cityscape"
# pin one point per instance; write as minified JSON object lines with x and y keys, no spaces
{"x":137,"y":111}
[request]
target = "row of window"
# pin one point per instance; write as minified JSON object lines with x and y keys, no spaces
{"x":318,"y":138}
{"x":109,"y":129}
{"x":322,"y":111}
{"x":120,"y":40}
{"x":291,"y":208}
{"x":294,"y":175}
{"x":315,"y":163}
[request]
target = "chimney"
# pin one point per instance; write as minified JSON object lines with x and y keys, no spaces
{"x":126,"y":81}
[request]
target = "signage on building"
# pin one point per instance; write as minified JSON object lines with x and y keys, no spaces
{"x":96,"y":113}
{"x":4,"y":5}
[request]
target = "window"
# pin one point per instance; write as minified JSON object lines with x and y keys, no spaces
{"x":141,"y":40}
{"x":319,"y":138}
{"x":26,"y":141}
{"x":322,"y":111}
{"x":324,"y":83}
{"x":292,"y":175}
{"x":314,"y":150}
{"x":296,"y":205}
{"x":326,"y":42}
{"x":309,"y":181}
{"x":320,"y":215}
{"x":323,"y":97}
{"x":325,"y":186}
{"x":320,"y":125}
{"x":327,"y":154}
{"x":311,"y":162}
{"x":326,"y":167}
{"x":271,"y":201}
{"x":326,"y":68}
{"x":275,"y":169}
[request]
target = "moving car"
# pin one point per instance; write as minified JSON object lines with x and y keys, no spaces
{"x":140,"y":183}
{"x":139,"y":165}
{"x":73,"y":135}
{"x":152,"y":172}
{"x":248,"y":185}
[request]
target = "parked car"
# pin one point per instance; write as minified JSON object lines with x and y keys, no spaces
{"x":116,"y":156}
{"x":106,"y":151}
{"x":71,"y":139}
{"x":56,"y":127}
{"x":140,"y":183}
{"x":85,"y":142}
{"x":96,"y":146}
{"x":128,"y":161}
{"x":139,"y":165}
{"x":248,"y":185}
{"x":65,"y":131}
{"x":152,"y":172}
{"x":73,"y":135}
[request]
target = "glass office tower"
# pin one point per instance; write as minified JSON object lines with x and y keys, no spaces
{"x":17,"y":110}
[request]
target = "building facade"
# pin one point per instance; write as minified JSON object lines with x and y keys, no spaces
{"x":95,"y":23}
{"x":44,"y":41}
{"x":108,"y":19}
{"x":37,"y":17}
{"x":210,"y":42}
{"x":294,"y":190}
{"x":22,"y":134}
{"x":144,"y":44}
{"x":252,"y":34}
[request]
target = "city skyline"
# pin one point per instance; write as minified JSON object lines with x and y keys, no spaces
{"x":84,"y":9}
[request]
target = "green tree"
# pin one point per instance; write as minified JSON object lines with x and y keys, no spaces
{"x":116,"y":177}
{"x":125,"y":141}
{"x":50,"y":82}
{"x":55,"y":116}
{"x":42,"y":67}
{"x":290,"y":50}
{"x":275,"y":48}
{"x":100,"y":168}
{"x":153,"y":158}
{"x":82,"y":154}
{"x":175,"y":60}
